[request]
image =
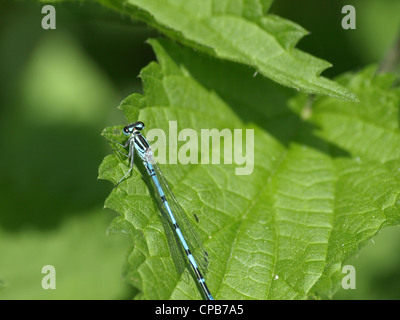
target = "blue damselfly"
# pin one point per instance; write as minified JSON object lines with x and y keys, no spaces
{"x":168,"y":203}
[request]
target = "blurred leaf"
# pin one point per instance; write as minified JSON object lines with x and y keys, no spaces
{"x":61,"y":99}
{"x":87,"y":262}
{"x":377,"y":269}
{"x":239,"y":31}
{"x":62,"y":85}
{"x":368,"y":130}
{"x":281,"y":232}
{"x":54,"y":102}
{"x":2,"y":284}
{"x":378,"y":25}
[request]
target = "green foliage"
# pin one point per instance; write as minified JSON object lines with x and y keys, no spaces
{"x":239,"y":31}
{"x":51,"y":208}
{"x":2,"y":283}
{"x":80,"y":251}
{"x":326,"y":175}
{"x":326,"y":179}
{"x":368,"y":130}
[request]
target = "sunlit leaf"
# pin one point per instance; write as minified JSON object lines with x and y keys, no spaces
{"x":314,"y":198}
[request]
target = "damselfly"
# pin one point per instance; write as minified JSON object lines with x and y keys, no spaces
{"x":168,"y":203}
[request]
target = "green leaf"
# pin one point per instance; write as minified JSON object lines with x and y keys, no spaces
{"x":239,"y":31}
{"x":282,"y":232}
{"x":368,"y":130}
{"x":79,"y":250}
{"x":2,"y":283}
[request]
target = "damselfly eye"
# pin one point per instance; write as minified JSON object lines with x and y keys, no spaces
{"x":126,"y":130}
{"x":139,"y":125}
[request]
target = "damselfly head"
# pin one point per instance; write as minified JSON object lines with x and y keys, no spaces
{"x":136,"y":126}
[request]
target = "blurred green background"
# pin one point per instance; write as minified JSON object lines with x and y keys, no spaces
{"x":60,"y":88}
